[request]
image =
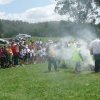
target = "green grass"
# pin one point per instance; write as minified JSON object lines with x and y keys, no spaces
{"x":44,"y":39}
{"x":32,"y":82}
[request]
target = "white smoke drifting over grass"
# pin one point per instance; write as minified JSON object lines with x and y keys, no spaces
{"x":66,"y":46}
{"x":88,"y":61}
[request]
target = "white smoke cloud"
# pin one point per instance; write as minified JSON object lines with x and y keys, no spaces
{"x":3,"y":2}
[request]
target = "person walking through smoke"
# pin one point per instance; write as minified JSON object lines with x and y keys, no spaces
{"x":77,"y":57}
{"x":95,"y":51}
{"x":51,"y":57}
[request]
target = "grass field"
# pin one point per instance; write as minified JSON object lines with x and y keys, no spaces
{"x":33,"y":82}
{"x":44,"y":39}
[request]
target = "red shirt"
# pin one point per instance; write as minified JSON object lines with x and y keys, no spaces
{"x":15,"y":49}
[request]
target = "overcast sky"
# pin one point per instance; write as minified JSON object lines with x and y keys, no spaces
{"x":29,"y":10}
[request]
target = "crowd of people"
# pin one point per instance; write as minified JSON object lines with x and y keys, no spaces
{"x":22,"y":53}
{"x":54,"y":52}
{"x":74,"y":52}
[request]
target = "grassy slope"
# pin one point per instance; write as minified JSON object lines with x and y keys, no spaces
{"x":34,"y":83}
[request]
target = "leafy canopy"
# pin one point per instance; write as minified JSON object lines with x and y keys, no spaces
{"x":79,"y":10}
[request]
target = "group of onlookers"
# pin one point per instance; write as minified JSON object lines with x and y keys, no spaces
{"x":22,"y":53}
{"x":83,"y":54}
{"x":33,"y":52}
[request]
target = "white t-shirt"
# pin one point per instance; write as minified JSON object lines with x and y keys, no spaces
{"x":28,"y":50}
{"x":31,"y":52}
{"x":95,"y":46}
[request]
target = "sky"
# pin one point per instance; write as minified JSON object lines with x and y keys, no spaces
{"x":16,"y":6}
{"x":32,"y":11}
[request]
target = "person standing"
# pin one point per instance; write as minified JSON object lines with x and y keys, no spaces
{"x":77,"y":58}
{"x":10,"y":56}
{"x":95,"y":51}
{"x":2,"y":57}
{"x":15,"y":50}
{"x":51,"y":57}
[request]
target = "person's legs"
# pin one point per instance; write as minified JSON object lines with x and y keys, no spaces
{"x":28,"y":58}
{"x":10,"y":61}
{"x":2,"y":62}
{"x":15,"y":59}
{"x":49,"y":64}
{"x":78,"y":67}
{"x":54,"y":63}
{"x":97,"y":63}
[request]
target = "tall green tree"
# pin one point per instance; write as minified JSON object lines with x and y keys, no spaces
{"x":97,"y":2}
{"x":79,"y":10}
{"x":1,"y":28}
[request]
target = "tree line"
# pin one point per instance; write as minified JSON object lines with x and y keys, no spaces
{"x":46,"y":29}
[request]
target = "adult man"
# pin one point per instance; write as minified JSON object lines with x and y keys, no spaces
{"x":77,"y":58}
{"x":51,"y":57}
{"x":95,"y":51}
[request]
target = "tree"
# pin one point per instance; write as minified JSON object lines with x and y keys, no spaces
{"x":1,"y":29}
{"x":97,"y":2}
{"x":78,"y":10}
